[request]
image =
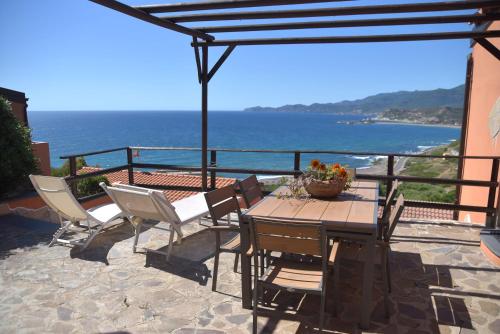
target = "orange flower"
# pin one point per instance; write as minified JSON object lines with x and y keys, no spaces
{"x":315,"y":163}
{"x":322,"y":167}
{"x":336,"y":166}
{"x":343,"y":172}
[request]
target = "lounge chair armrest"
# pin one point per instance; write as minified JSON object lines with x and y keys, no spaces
{"x":250,"y":251}
{"x":332,"y":257}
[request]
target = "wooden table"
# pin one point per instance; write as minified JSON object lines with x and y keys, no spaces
{"x":351,"y":215}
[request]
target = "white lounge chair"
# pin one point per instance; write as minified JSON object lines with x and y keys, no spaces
{"x":141,"y":204}
{"x":57,"y":195}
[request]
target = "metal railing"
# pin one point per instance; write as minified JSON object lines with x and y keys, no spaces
{"x":490,"y":209}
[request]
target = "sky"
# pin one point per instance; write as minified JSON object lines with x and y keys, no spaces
{"x":77,"y":55}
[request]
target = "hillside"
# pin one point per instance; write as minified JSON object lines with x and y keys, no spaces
{"x":402,"y":105}
{"x":444,"y":115}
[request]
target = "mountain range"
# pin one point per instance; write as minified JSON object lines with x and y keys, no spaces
{"x":438,"y":106}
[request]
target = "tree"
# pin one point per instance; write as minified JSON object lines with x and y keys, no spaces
{"x":17,"y":160}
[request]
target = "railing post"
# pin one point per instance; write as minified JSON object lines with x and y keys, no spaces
{"x":72,"y":172}
{"x":490,"y":217}
{"x":296,"y":163}
{"x":390,"y":172}
{"x":130,"y":161}
{"x":213,"y":175}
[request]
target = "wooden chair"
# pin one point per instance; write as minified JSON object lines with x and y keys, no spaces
{"x":252,"y":194}
{"x":383,"y":221}
{"x":250,"y":189}
{"x":222,"y":202}
{"x":358,"y":252}
{"x":291,"y":238}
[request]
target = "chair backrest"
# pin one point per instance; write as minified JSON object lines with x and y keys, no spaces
{"x":394,"y":217}
{"x":142,"y":202}
{"x":288,"y":237}
{"x":57,"y":195}
{"x":389,"y":200}
{"x":250,"y":189}
{"x":222,"y":202}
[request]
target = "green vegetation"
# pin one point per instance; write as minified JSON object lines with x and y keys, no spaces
{"x":91,"y":186}
{"x":84,"y":187}
{"x":64,"y":169}
{"x":431,"y":167}
{"x":432,"y":100}
{"x":18,"y":160}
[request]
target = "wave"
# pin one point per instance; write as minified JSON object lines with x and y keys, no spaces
{"x":366,"y":157}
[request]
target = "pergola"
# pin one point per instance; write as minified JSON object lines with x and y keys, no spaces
{"x":167,"y":16}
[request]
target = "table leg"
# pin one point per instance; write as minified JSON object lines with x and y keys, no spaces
{"x":246,"y":267}
{"x":368,"y":284}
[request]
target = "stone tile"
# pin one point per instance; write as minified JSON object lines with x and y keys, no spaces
{"x":109,"y":289}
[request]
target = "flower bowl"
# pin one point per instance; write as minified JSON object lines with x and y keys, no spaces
{"x":325,"y":189}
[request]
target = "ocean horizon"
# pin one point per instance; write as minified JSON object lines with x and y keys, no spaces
{"x":73,"y":132}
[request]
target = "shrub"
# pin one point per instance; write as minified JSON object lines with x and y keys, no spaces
{"x":17,"y":160}
{"x":91,"y":186}
{"x":64,"y":169}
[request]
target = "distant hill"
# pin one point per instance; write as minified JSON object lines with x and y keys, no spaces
{"x":392,"y":105}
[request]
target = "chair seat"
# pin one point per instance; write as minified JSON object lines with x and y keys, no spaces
{"x":233,"y":245}
{"x":191,"y":207}
{"x":294,"y":275}
{"x":106,"y":213}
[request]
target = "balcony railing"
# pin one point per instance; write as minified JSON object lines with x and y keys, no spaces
{"x":213,"y":169}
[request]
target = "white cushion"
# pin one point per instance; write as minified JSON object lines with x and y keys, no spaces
{"x":191,"y":207}
{"x":105,"y":213}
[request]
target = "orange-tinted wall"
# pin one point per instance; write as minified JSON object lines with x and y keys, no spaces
{"x":19,"y":110}
{"x":485,"y":90}
{"x":41,"y":152}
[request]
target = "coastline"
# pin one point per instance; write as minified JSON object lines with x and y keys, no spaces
{"x":416,"y":123}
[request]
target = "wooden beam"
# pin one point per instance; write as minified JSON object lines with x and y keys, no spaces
{"x":474,"y":18}
{"x":357,"y":39}
{"x":221,"y":61}
{"x":197,"y":57}
{"x":489,"y":46}
{"x":138,"y":14}
{"x":204,"y":118}
{"x":336,"y":11}
{"x":223,"y":4}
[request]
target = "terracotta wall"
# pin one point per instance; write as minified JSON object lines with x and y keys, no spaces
{"x":42,"y":154}
{"x":19,"y":110}
{"x":485,"y":90}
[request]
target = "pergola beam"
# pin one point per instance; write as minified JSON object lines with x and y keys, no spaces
{"x":473,"y":18}
{"x":223,"y":4}
{"x":138,"y":14}
{"x":221,"y":61}
{"x":337,"y":11}
{"x":489,"y":47}
{"x":357,"y":39}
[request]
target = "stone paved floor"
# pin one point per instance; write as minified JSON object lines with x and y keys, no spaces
{"x":441,"y":283}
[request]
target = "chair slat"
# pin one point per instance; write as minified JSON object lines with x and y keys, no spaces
{"x":250,"y":189}
{"x":224,"y":208}
{"x":288,"y":229}
{"x":219,"y":195}
{"x":289,"y":245}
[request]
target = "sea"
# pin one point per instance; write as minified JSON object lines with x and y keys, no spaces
{"x":74,"y":132}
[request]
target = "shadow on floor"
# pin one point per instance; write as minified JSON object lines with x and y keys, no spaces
{"x":188,"y":258}
{"x":423,"y":298}
{"x":21,"y":232}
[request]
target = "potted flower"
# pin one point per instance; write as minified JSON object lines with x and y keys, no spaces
{"x":321,"y":180}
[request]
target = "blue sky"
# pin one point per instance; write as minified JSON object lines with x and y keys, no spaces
{"x":76,"y":55}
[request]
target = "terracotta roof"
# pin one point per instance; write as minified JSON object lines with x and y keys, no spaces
{"x":424,"y":213}
{"x":161,"y":179}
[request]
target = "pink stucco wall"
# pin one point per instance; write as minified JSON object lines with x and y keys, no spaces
{"x":485,"y":90}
